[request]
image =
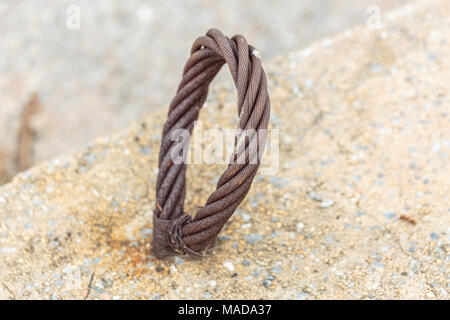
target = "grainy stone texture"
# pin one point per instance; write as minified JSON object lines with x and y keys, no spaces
{"x":364,"y":132}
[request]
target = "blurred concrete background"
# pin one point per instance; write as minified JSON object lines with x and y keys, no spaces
{"x":64,"y":80}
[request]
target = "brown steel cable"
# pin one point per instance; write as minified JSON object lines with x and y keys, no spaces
{"x":174,"y":230}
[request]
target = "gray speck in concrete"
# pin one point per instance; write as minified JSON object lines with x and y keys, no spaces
{"x":302,"y":295}
{"x":99,"y":290}
{"x":52,"y":223}
{"x":276,"y":270}
{"x":389,"y":215}
{"x":82,"y":169}
{"x":279,"y":183}
{"x":157,"y":296}
{"x":90,"y":157}
{"x":253,"y":238}
{"x":434,"y":236}
{"x":266,"y":283}
{"x":435,"y":284}
{"x":67,"y":270}
{"x":414,"y":265}
{"x":224,"y":237}
{"x":432,"y":56}
{"x":377,"y":264}
{"x":314,"y":196}
{"x":146,"y":150}
{"x":146,"y":231}
{"x":59,"y":283}
{"x":106,"y":283}
{"x":326,"y":203}
{"x":55,"y":243}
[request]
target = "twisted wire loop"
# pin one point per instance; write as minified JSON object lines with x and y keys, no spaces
{"x":174,"y":230}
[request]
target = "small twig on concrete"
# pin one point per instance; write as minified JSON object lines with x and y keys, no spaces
{"x":408,"y":219}
{"x":88,"y":290}
{"x":10,"y":292}
{"x":25,"y":137}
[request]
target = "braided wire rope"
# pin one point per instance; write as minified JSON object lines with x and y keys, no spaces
{"x":174,"y":230}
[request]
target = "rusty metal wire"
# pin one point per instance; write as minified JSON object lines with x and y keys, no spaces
{"x":174,"y":230}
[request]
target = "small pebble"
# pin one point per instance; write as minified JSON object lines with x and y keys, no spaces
{"x":106,"y":283}
{"x":302,"y":295}
{"x":377,"y":265}
{"x":314,"y":196}
{"x":434,"y":236}
{"x":389,"y":215}
{"x":253,"y":238}
{"x":146,"y":150}
{"x":213,"y":283}
{"x":266,"y":283}
{"x":67,"y":269}
{"x":99,"y":290}
{"x":229,"y":266}
{"x":224,"y":237}
{"x":173,"y":269}
{"x":326,"y":203}
{"x":276,"y":270}
{"x":146,"y":231}
{"x":59,"y":283}
{"x":90,"y":157}
{"x":414,"y":265}
{"x":278,"y":183}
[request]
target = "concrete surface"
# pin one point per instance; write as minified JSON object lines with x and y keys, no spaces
{"x":359,"y":208}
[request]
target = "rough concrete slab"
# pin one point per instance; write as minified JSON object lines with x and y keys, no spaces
{"x":359,"y":207}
